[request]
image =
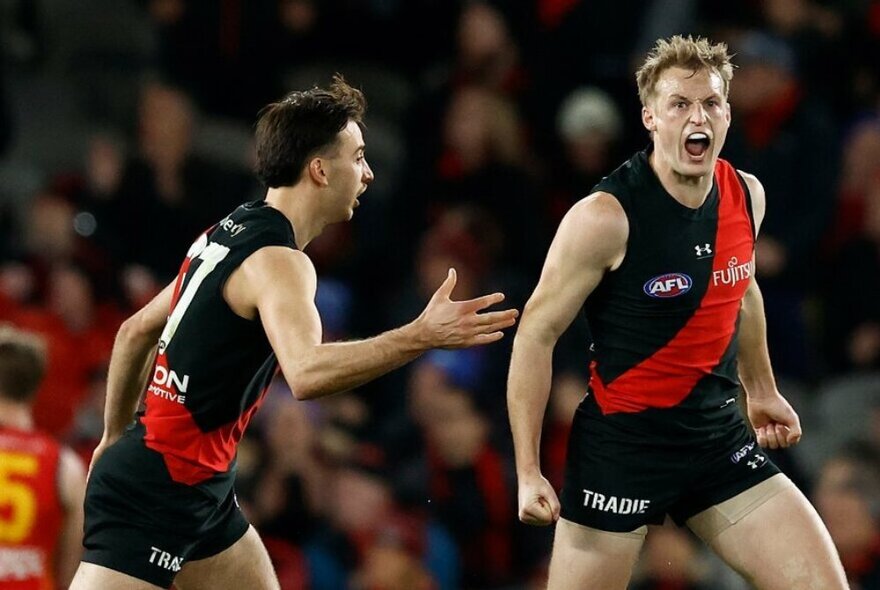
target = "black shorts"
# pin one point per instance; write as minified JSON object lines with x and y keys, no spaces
{"x":619,"y":478}
{"x":141,"y":523}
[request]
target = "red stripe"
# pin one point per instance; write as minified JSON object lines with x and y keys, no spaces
{"x":190,"y":454}
{"x":668,"y":376}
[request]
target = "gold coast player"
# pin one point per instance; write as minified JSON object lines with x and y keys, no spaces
{"x":160,"y":507}
{"x":660,"y":256}
{"x":41,"y":482}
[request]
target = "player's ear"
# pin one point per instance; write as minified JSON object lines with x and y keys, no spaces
{"x":648,"y":119}
{"x":317,"y":172}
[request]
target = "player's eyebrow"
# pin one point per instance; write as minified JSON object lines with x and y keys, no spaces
{"x":680,"y":97}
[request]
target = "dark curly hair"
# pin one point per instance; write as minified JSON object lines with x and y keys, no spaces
{"x":301,"y":125}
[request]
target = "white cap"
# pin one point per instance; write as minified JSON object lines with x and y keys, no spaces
{"x":588,"y":110}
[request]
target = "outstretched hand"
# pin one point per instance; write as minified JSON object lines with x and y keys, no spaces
{"x":775,"y":422}
{"x":459,"y":324}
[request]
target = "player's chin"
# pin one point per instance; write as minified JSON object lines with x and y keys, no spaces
{"x":697,"y":168}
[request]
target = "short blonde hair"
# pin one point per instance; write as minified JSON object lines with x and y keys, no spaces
{"x":683,"y":52}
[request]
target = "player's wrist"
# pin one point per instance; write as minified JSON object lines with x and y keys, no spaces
{"x":111,"y":435}
{"x":528,"y":471}
{"x":417,"y":335}
{"x":761,"y":392}
{"x":759,"y":387}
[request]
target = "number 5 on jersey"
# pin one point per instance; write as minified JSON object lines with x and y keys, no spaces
{"x":18,"y":502}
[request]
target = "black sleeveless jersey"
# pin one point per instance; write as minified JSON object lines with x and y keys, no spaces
{"x":664,"y":324}
{"x":212,"y":367}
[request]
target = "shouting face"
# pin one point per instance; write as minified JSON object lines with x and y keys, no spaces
{"x":688,"y":116}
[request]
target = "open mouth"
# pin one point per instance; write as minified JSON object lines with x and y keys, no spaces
{"x":697,"y":144}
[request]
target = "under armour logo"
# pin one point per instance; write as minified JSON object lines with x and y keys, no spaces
{"x":703,"y":251}
{"x":757,"y":461}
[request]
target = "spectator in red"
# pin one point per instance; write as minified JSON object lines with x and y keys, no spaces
{"x":80,"y":334}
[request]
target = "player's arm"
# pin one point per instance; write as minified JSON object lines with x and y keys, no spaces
{"x":590,"y":241}
{"x":71,"y":492}
{"x":776,"y":423}
{"x":281,"y":283}
{"x":133,"y":352}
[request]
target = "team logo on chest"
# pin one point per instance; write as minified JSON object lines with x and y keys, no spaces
{"x":668,"y":285}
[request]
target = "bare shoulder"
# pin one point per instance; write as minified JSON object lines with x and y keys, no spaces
{"x":756,"y":190}
{"x":597,"y":224}
{"x":264,"y":273}
{"x":600,"y":212}
{"x":277,"y":263}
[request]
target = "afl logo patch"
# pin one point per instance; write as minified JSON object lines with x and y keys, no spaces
{"x":669,"y":285}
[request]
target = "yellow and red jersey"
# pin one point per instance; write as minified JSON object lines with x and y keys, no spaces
{"x":31,"y":514}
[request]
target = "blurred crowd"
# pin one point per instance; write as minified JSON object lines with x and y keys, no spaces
{"x":125,"y":131}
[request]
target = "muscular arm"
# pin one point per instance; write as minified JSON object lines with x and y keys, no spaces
{"x":129,"y":362}
{"x":753,"y":358}
{"x":591,"y":240}
{"x":71,"y":491}
{"x":281,"y":285}
{"x":755,"y":371}
{"x":776,"y":424}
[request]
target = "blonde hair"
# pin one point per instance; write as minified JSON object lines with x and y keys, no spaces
{"x":683,"y":52}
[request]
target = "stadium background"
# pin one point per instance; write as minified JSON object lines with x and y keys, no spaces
{"x":125,"y":130}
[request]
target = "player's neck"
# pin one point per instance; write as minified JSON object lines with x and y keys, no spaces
{"x":15,"y":415}
{"x":299,"y":209}
{"x":690,"y":191}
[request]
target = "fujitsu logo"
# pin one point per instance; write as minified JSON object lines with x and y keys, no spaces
{"x":734,"y":273}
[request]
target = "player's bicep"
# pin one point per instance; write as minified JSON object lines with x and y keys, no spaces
{"x":150,"y":319}
{"x":560,"y":293}
{"x":590,"y":239}
{"x":752,"y":299}
{"x":284,"y":283}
